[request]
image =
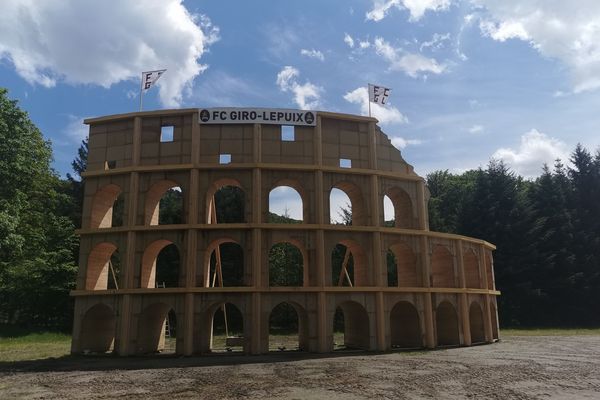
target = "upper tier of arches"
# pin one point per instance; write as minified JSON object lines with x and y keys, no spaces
{"x":229,"y":200}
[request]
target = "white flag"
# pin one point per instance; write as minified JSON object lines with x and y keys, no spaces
{"x":378,"y":94}
{"x":149,"y":77}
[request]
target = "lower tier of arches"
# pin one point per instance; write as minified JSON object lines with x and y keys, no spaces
{"x":259,"y":323}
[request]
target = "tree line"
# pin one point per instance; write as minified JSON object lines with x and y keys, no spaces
{"x":547,"y":231}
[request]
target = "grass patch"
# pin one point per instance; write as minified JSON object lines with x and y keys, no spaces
{"x":550,"y":331}
{"x":34,"y":346}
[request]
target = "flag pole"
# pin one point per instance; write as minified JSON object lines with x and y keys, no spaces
{"x":141,"y":91}
{"x":369,"y":98}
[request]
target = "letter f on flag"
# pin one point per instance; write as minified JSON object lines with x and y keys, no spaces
{"x":148,"y":79}
{"x":378,"y":94}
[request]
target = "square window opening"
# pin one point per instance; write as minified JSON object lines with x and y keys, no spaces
{"x":224,"y":158}
{"x":166,"y":133}
{"x":345,"y":163}
{"x":287,"y":133}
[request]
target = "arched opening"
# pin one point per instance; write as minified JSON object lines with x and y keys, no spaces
{"x":98,"y":330}
{"x":389,"y":216}
{"x":351,"y":327}
{"x":348,"y":265}
{"x":405,"y":328}
{"x":489,"y":266}
{"x":340,"y":208}
{"x":288,"y":328}
{"x":286,"y":205}
{"x":476,"y":323}
{"x":227,"y":329}
{"x":471,"y":265}
{"x":406,"y":264}
{"x":161,"y":264}
{"x":346,"y":206}
{"x":286,"y":265}
{"x":107,"y":207}
{"x":224,"y":265}
{"x":103,"y":268}
{"x":225,"y":202}
{"x":403,"y":209}
{"x":495,"y":335}
{"x":164,"y":204}
{"x":157,"y":330}
{"x":446,"y":321}
{"x":442,"y":267}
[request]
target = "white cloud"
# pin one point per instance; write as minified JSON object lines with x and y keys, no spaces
{"x":306,"y":96}
{"x":312,"y":53}
{"x":565,"y":30}
{"x":385,"y":115}
{"x":409,"y":63}
{"x":75,"y":130}
{"x":417,"y":8}
{"x":535,"y":149}
{"x":400,"y":142}
{"x":476,"y":129}
{"x":364,"y":44}
{"x":503,"y":31}
{"x":436,"y":42}
{"x":348,"y":40}
{"x":103,"y":43}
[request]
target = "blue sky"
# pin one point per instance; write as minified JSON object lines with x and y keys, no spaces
{"x":470,"y":79}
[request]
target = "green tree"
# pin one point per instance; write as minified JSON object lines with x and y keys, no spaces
{"x":585,"y":210}
{"x":448,"y":193}
{"x":75,"y":183}
{"x":549,"y":259}
{"x":36,"y":237}
{"x":494,"y":210}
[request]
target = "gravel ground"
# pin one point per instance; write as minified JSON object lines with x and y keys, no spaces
{"x":518,"y":367}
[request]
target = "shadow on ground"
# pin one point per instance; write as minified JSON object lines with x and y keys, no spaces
{"x":112,"y":362}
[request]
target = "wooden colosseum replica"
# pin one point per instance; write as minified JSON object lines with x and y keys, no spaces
{"x":443,"y":293}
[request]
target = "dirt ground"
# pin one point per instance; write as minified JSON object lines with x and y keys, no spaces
{"x":518,"y":367}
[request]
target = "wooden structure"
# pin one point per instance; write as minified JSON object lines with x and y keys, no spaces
{"x":444,"y":294}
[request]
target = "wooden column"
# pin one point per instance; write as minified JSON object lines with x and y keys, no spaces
{"x":192,"y":239}
{"x":462,"y":298}
{"x":257,"y":267}
{"x":124,"y":345}
{"x":322,"y":314}
{"x":422,"y":206}
{"x":427,"y":301}
{"x":188,"y":325}
{"x":487,"y":317}
{"x":123,"y":339}
{"x":257,"y":339}
{"x":192,"y":233}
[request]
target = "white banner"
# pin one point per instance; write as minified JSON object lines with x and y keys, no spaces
{"x":378,"y":94}
{"x":276,"y":116}
{"x":150,"y":77}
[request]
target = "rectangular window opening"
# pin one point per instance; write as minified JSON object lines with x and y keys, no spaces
{"x":224,"y":158}
{"x":110,"y":164}
{"x":287,"y":133}
{"x":166,"y":133}
{"x":345,"y":163}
